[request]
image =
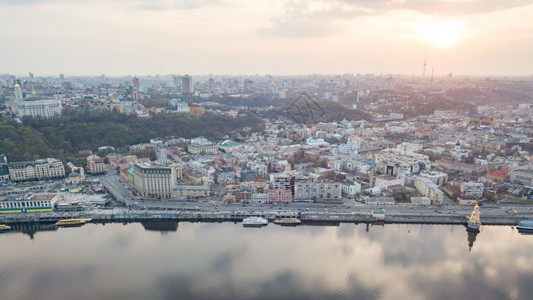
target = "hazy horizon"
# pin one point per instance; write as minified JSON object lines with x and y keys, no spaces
{"x":281,"y":38}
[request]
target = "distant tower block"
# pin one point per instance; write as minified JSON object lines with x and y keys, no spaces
{"x":424,"y":70}
{"x":186,"y":84}
{"x":136,"y":83}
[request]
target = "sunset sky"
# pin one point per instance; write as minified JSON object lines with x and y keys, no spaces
{"x":279,"y":37}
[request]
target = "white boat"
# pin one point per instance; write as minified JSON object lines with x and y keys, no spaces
{"x":525,"y":226}
{"x":254,"y":222}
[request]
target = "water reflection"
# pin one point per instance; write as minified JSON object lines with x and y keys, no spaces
{"x":226,"y":261}
{"x":32,"y":228}
{"x":471,"y":239}
{"x":163,"y":226}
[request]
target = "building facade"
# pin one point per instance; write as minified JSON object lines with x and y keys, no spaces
{"x":35,"y":203}
{"x":279,"y":196}
{"x":429,"y":189}
{"x":472,"y":189}
{"x":195,"y":192}
{"x":95,"y":165}
{"x":317,"y":191}
{"x":154,"y":180}
{"x":523,"y":175}
{"x":39,"y":108}
{"x":36,"y":170}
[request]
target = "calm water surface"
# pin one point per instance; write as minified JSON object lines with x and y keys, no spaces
{"x":227,"y":261}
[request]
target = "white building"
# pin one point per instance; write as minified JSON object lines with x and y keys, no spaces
{"x":39,"y":108}
{"x":34,"y":203}
{"x":39,"y":169}
{"x":473,"y":189}
{"x":351,"y":189}
{"x":394,"y":161}
{"x":202,"y":146}
{"x":259,"y":198}
{"x":438,"y":178}
{"x":179,"y":105}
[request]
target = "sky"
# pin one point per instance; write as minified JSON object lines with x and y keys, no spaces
{"x":277,"y":37}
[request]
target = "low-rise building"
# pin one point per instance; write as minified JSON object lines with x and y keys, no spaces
{"x":192,"y":191}
{"x":421,"y":200}
{"x":34,"y":203}
{"x":466,"y":200}
{"x":380,"y":201}
{"x":351,"y":189}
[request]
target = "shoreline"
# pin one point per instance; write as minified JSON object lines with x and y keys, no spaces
{"x":306,"y":218}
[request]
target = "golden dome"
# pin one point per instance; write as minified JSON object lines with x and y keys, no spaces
{"x":17,"y":85}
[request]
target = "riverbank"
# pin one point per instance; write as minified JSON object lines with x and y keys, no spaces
{"x":305,"y":217}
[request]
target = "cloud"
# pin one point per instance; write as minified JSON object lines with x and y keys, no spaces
{"x":305,"y":19}
{"x":442,"y":7}
{"x":138,"y":4}
{"x":318,"y":18}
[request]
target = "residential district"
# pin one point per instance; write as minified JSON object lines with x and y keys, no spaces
{"x":418,"y":145}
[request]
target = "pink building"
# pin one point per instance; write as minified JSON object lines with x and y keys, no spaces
{"x":279,"y":196}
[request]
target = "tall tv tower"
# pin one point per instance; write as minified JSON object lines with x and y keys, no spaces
{"x":424,"y":71}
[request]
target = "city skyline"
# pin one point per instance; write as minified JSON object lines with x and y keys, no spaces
{"x":86,"y":38}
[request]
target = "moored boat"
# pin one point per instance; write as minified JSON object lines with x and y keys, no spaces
{"x":254,"y":222}
{"x":525,"y":226}
{"x":288,"y":222}
{"x":4,"y":228}
{"x":73,"y":222}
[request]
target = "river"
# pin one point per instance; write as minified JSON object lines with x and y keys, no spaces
{"x":226,"y":261}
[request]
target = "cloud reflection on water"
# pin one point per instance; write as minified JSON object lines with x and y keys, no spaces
{"x":226,"y":261}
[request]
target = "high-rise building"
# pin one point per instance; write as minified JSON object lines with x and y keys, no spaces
{"x":186,"y":84}
{"x":176,"y":81}
{"x":136,"y":83}
{"x":62,"y":76}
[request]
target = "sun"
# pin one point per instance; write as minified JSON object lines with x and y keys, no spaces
{"x":444,"y":34}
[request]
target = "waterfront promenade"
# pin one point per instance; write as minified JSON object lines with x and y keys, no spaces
{"x":234,"y":213}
